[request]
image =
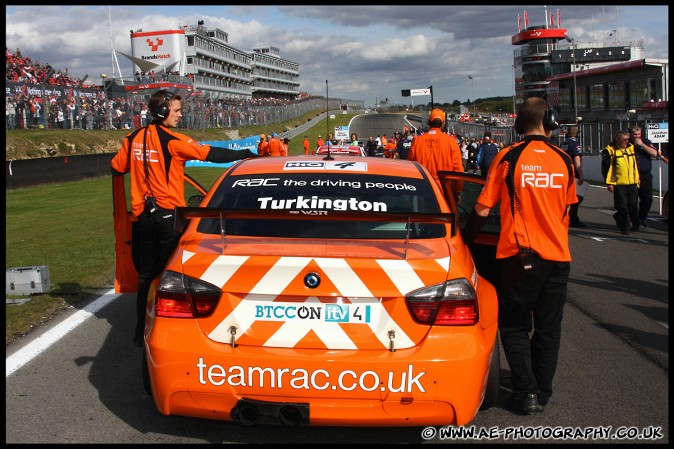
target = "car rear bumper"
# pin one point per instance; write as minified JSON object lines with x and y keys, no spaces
{"x":319,"y":412}
{"x":440,"y":381}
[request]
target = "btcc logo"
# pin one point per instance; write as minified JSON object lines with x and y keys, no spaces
{"x":543,"y":180}
{"x":329,"y":313}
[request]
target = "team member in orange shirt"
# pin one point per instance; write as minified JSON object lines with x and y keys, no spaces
{"x":435,"y":149}
{"x":263,"y":146}
{"x":389,"y":149}
{"x":284,"y":146}
{"x":275,"y":145}
{"x":319,"y":142}
{"x":306,"y":146}
{"x":534,"y":182}
{"x":155,"y":157}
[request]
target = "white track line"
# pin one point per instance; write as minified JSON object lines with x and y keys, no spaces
{"x":42,"y":342}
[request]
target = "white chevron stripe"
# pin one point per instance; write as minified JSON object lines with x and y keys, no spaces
{"x":187,"y":255}
{"x":444,"y":263}
{"x":348,"y":284}
{"x":280,"y":275}
{"x":275,"y":280}
{"x":401,"y":274}
{"x":222,"y":269}
{"x":242,"y":317}
{"x":345,"y":279}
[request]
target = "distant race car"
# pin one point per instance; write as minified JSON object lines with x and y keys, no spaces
{"x":341,"y":150}
{"x":308,"y":290}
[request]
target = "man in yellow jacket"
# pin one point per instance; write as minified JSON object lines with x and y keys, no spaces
{"x":622,"y":180}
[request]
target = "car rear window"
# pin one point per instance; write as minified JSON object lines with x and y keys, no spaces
{"x":312,"y":194}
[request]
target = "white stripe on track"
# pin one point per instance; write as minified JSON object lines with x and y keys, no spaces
{"x":44,"y":341}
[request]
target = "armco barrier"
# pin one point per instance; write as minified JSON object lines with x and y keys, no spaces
{"x":33,"y":172}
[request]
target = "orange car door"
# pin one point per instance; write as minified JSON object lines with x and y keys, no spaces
{"x":126,"y":276}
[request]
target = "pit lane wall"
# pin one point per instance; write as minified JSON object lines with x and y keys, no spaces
{"x":33,"y":172}
{"x":47,"y":170}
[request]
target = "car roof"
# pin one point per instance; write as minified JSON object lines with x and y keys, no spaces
{"x":318,"y":163}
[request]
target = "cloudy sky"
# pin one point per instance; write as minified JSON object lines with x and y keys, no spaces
{"x":364,"y":52}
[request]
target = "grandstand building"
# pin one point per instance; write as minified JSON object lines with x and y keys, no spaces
{"x":272,"y":75}
{"x":202,"y":57}
{"x":595,"y":81}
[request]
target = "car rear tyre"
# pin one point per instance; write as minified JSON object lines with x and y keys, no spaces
{"x":494,"y":379}
{"x":146,"y":375}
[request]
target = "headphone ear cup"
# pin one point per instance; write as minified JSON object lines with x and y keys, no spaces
{"x":162,"y":110}
{"x":550,"y":122}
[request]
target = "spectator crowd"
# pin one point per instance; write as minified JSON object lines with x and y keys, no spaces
{"x":476,"y":153}
{"x":65,"y":109}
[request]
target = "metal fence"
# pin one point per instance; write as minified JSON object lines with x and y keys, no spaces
{"x":105,"y":109}
{"x":593,"y":137}
{"x":200,"y":115}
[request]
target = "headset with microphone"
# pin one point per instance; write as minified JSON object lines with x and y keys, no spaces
{"x":550,"y":121}
{"x":162,"y":109}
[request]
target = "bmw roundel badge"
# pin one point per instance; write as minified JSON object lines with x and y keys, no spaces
{"x":312,"y":280}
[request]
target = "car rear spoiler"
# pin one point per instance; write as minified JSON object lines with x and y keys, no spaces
{"x":183,"y":214}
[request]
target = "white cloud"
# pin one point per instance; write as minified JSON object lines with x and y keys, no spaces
{"x":365,"y":51}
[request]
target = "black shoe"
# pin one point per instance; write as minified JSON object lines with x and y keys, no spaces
{"x":625,"y":231}
{"x":524,"y":403}
{"x":577,"y":224}
{"x":634,"y":228}
{"x":643,"y":223}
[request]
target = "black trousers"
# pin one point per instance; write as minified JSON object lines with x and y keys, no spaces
{"x":532,"y":300}
{"x":154,"y":239}
{"x":573,"y":210}
{"x":625,"y":202}
{"x":645,"y":194}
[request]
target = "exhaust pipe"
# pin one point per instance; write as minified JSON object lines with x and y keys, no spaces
{"x":289,"y":415}
{"x":248,"y":415}
{"x":249,"y":412}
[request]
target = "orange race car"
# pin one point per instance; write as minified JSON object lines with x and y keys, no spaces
{"x":341,"y":150}
{"x":317,"y":291}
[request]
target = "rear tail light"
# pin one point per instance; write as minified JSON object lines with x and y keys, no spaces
{"x":452,"y":303}
{"x":180,"y":296}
